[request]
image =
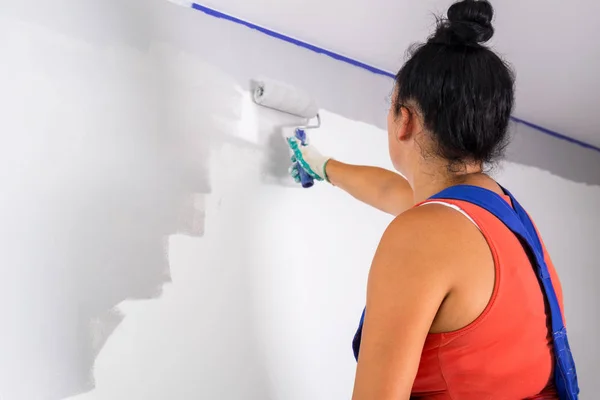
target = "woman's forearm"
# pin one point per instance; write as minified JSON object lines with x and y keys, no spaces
{"x":377,"y":187}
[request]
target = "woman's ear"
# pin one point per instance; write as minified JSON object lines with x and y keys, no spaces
{"x":404,"y":125}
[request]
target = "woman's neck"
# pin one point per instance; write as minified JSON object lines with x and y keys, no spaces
{"x":433,"y":179}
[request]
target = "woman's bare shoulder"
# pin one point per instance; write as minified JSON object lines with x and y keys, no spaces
{"x":431,"y":234}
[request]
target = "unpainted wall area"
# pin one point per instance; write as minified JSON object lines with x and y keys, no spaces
{"x":558,"y":156}
{"x":136,"y":158}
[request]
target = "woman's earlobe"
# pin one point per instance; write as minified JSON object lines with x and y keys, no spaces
{"x":404,"y":123}
{"x":398,"y":134}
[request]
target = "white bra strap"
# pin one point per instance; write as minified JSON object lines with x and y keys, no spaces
{"x":454,"y":206}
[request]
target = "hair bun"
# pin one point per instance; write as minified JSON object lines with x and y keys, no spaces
{"x":469,"y":22}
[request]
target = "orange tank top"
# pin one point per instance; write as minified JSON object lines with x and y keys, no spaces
{"x":506,"y":353}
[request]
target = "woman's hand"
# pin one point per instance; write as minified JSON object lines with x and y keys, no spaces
{"x":311,"y":160}
{"x":385,"y":190}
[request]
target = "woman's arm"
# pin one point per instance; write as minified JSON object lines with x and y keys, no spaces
{"x":377,"y":187}
{"x":410,"y":276}
{"x":385,"y":190}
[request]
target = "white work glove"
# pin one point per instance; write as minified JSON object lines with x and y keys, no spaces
{"x":309,"y":158}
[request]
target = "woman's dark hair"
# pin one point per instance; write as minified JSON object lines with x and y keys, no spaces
{"x":464,"y":91}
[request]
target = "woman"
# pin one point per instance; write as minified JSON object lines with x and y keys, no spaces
{"x":454,"y":307}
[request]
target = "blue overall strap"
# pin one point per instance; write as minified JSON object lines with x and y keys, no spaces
{"x":517,"y":220}
{"x":358,"y":336}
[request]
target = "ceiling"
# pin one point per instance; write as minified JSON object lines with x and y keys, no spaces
{"x":552,"y":45}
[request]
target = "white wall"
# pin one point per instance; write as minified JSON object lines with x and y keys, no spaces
{"x":109,"y":139}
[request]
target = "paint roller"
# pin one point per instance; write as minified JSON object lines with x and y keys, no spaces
{"x":285,"y":98}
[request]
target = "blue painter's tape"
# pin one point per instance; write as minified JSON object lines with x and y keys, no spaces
{"x":218,"y":14}
{"x":556,"y":134}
